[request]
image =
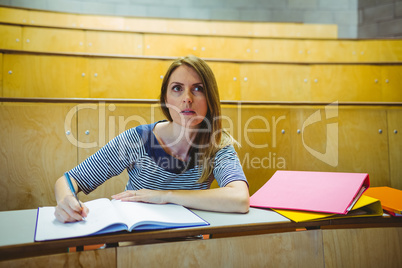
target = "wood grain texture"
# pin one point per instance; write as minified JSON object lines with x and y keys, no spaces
{"x":13,"y":15}
{"x":367,"y":247}
{"x":49,"y":39}
{"x":345,"y":83}
{"x":29,"y":132}
{"x":191,"y":26}
{"x":92,"y":258}
{"x":225,"y":47}
{"x":60,"y":76}
{"x":146,"y":25}
{"x":55,"y":19}
{"x":53,"y":40}
{"x":391,"y":81}
{"x":391,"y":50}
{"x":295,"y":30}
{"x":183,"y":26}
{"x":228,"y":79}
{"x":279,"y":50}
{"x":34,"y":152}
{"x":357,"y":144}
{"x":45,"y":76}
{"x":395,"y":147}
{"x":274,"y":82}
{"x":1,"y":75}
{"x":101,"y":22}
{"x":295,"y":249}
{"x":114,"y":43}
{"x":171,"y":45}
{"x":122,"y":78}
{"x":264,"y":136}
{"x":11,"y":37}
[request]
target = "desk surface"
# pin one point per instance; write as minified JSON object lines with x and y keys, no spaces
{"x":17,"y":229}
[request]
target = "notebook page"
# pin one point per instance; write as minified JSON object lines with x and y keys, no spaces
{"x":168,"y":215}
{"x":101,"y":214}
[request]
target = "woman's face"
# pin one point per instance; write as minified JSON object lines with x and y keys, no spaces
{"x":185,"y":97}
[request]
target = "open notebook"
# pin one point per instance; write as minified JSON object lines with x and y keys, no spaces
{"x":107,"y":216}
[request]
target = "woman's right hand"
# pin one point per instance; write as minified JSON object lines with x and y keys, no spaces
{"x":69,"y":210}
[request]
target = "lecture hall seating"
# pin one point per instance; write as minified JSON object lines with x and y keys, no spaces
{"x":272,"y":78}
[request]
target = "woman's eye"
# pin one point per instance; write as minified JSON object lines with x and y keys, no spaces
{"x":199,"y":89}
{"x":176,"y":88}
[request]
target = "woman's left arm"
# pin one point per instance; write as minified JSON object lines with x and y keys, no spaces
{"x":234,"y":197}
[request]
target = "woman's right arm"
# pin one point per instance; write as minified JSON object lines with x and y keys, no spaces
{"x":68,"y":208}
{"x":107,"y":162}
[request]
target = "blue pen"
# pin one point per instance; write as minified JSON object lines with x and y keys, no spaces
{"x":70,"y":184}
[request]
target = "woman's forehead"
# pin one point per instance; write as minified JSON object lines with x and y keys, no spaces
{"x":185,"y":73}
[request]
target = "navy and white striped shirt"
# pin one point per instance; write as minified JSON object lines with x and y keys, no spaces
{"x":149,"y":166}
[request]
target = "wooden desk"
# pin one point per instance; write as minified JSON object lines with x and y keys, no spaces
{"x":14,"y":224}
{"x":259,"y":238}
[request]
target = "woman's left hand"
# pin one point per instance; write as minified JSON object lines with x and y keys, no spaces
{"x":143,"y":195}
{"x":234,"y":197}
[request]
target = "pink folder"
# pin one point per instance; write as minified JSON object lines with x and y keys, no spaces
{"x":328,"y":192}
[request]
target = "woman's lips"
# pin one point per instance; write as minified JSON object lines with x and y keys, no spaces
{"x":188,"y":112}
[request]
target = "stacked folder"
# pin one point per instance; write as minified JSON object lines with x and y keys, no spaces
{"x":391,"y":199}
{"x":308,"y":196}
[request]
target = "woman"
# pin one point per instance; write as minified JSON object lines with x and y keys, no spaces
{"x":170,"y":161}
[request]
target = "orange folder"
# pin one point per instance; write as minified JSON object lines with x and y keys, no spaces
{"x":391,"y":198}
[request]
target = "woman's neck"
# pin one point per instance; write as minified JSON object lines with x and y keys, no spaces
{"x":175,"y":139}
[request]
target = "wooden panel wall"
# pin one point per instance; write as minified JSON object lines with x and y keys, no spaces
{"x":228,"y":79}
{"x":346,"y":140}
{"x":364,"y":247}
{"x":81,"y":77}
{"x":270,"y":82}
{"x":50,"y":77}
{"x":114,"y":43}
{"x":394,"y":117}
{"x":39,"y":142}
{"x":10,"y":37}
{"x":263,"y":29}
{"x":391,"y":81}
{"x":34,"y":152}
{"x":301,"y":249}
{"x":53,"y":40}
{"x":124,"y":78}
{"x":31,"y":38}
{"x":247,"y":69}
{"x":371,"y":247}
{"x":265,"y":148}
{"x":1,"y":75}
{"x":93,"y":258}
{"x":345,"y":83}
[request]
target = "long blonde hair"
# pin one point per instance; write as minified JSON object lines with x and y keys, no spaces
{"x":209,"y":142}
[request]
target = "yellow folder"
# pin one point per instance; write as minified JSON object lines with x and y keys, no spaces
{"x":365,"y":207}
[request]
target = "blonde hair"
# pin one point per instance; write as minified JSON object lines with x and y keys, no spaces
{"x":209,"y":141}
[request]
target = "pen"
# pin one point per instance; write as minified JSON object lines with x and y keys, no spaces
{"x":70,"y":184}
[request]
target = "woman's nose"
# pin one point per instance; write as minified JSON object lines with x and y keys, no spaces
{"x":187,"y":98}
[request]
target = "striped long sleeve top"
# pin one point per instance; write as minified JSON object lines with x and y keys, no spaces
{"x":150,"y":167}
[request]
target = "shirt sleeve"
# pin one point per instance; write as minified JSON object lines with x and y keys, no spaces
{"x":227,"y":167}
{"x":109,"y":161}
